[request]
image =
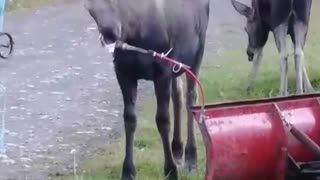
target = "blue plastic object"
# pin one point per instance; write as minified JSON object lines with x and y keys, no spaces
{"x":2,"y":119}
{"x":2,"y":12}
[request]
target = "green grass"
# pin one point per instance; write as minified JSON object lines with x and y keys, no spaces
{"x":30,"y":4}
{"x":224,"y":79}
{"x":147,"y":149}
{"x":18,"y":4}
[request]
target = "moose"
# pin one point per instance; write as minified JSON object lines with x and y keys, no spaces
{"x":282,"y":18}
{"x":157,"y":25}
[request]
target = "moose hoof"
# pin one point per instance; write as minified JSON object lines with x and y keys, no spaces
{"x":128,"y":171}
{"x":249,"y":90}
{"x":282,"y":94}
{"x":309,"y":90}
{"x":170,"y":172}
{"x":190,"y":159}
{"x":177,"y":152}
{"x":128,"y":176}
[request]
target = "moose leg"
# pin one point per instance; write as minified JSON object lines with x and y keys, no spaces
{"x":129,"y":94}
{"x":162,"y":90}
{"x":176,"y":145}
{"x":299,"y":31}
{"x":255,"y":67}
{"x":307,"y":86}
{"x":280,"y":33}
{"x":191,"y":149}
{"x":302,"y":80}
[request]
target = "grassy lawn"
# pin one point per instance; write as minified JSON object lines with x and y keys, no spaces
{"x":12,"y":5}
{"x":18,"y":4}
{"x":224,"y":79}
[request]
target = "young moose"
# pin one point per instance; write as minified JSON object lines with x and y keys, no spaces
{"x":158,"y":25}
{"x":282,"y":17}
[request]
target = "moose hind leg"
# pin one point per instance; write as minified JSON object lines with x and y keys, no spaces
{"x":190,"y":149}
{"x":302,"y":80}
{"x":191,"y":98}
{"x":162,"y":90}
{"x":129,"y":93}
{"x":177,"y":145}
{"x":307,"y":86}
{"x":280,"y":33}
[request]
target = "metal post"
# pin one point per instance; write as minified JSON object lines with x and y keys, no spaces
{"x":2,"y":89}
{"x":2,"y":12}
{"x":2,"y":118}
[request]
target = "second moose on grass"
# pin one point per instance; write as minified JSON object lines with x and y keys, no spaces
{"x":281,"y":17}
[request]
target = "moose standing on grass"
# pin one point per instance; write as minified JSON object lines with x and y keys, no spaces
{"x":158,"y":25}
{"x":282,"y":17}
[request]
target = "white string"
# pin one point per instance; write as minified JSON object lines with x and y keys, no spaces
{"x":177,"y":67}
{"x":73,"y":152}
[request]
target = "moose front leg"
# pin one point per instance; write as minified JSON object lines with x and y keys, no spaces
{"x":254,"y":70}
{"x":162,"y":87}
{"x":129,"y":93}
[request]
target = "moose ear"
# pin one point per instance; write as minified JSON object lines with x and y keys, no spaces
{"x":242,"y":8}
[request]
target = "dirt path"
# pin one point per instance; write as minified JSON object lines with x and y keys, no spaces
{"x":61,"y":89}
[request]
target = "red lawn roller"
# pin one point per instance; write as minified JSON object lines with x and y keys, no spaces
{"x":265,"y":139}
